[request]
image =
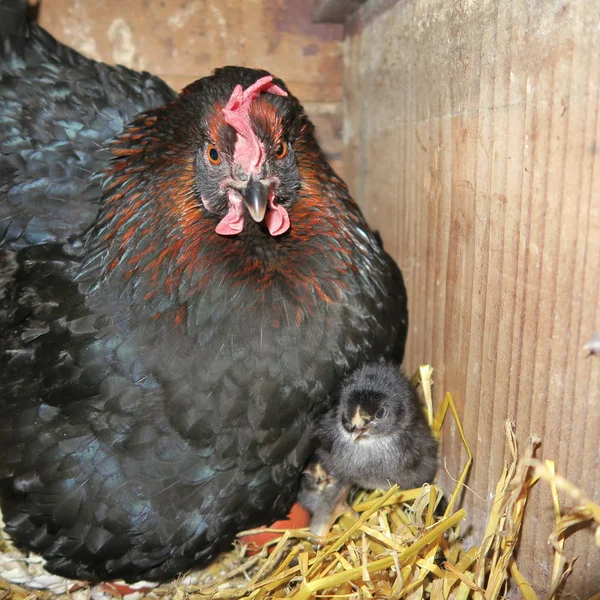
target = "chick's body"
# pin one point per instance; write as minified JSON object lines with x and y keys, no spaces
{"x":322,"y":495}
{"x":377,"y":435}
{"x":169,"y":328}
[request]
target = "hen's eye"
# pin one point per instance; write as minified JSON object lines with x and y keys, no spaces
{"x":281,"y":150}
{"x":380,"y":413}
{"x":213,"y":154}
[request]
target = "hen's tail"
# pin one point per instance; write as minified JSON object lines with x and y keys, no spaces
{"x":13,"y":24}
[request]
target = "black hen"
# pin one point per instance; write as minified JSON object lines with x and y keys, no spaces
{"x":162,"y":358}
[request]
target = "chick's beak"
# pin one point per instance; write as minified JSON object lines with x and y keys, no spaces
{"x":356,"y":433}
{"x":360,"y":425}
{"x":256,"y":196}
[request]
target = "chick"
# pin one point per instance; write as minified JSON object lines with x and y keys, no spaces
{"x":377,"y":434}
{"x":323,"y":495}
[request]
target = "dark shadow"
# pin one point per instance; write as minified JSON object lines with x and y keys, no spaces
{"x":33,"y":11}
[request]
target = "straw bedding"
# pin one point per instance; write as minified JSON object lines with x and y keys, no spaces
{"x":394,"y":545}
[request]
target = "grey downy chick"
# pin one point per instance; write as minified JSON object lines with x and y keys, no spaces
{"x":323,"y":495}
{"x":377,"y":435}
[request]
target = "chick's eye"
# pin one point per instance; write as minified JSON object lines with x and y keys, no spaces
{"x":380,"y":413}
{"x":213,"y":154}
{"x":281,"y":150}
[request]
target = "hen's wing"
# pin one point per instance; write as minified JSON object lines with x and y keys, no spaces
{"x":57,"y":111}
{"x":398,"y":316}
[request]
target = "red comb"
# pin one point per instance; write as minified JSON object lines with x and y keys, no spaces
{"x":248,"y":153}
{"x":248,"y":150}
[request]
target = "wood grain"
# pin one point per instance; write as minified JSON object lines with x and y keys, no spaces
{"x":472,"y":140}
{"x":183,"y":40}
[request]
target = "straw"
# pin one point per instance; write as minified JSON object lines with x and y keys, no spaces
{"x":393,"y":545}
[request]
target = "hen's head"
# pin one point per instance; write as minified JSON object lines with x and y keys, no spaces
{"x":239,"y":128}
{"x":376,"y":400}
{"x":227,"y":180}
{"x":246,"y":162}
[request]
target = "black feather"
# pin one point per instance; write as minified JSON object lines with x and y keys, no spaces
{"x":57,"y":111}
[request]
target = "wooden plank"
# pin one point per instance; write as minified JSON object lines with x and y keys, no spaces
{"x":335,"y":11}
{"x":472,"y":142}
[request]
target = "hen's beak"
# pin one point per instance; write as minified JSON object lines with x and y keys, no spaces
{"x":256,"y":196}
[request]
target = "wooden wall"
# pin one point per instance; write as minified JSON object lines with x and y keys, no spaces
{"x":183,"y":40}
{"x":472,"y":134}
